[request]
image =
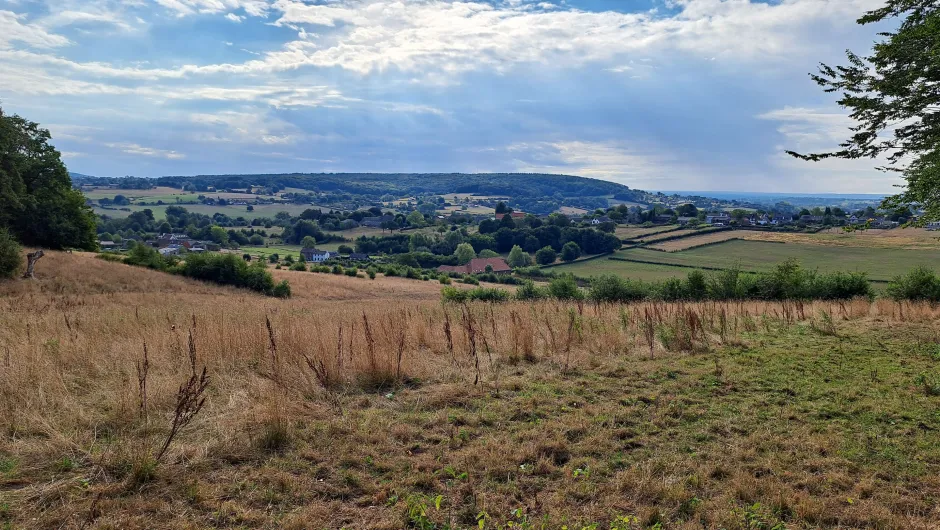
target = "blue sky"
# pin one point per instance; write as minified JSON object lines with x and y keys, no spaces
{"x":654,"y":94}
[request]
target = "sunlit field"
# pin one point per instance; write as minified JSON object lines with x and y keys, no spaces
{"x":368,"y":404}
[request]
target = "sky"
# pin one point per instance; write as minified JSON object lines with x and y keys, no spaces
{"x":653,"y":94}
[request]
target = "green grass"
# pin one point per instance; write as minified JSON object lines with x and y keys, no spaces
{"x":880,"y":263}
{"x":638,"y":271}
{"x":260,"y":210}
{"x":282,"y":250}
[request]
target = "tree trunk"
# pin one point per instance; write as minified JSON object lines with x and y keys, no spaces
{"x":31,"y":260}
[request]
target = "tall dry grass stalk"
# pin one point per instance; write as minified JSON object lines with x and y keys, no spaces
{"x":70,"y":345}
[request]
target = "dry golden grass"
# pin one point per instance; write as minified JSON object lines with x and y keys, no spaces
{"x":695,"y":241}
{"x":899,"y":238}
{"x":357,"y":402}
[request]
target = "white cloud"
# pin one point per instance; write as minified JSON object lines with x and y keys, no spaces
{"x":15,"y":30}
{"x":235,"y":18}
{"x":644,"y":168}
{"x":136,"y":149}
{"x":255,"y":8}
{"x":808,"y":130}
{"x":438,"y":39}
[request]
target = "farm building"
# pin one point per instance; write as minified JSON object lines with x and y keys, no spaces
{"x":479,"y":266}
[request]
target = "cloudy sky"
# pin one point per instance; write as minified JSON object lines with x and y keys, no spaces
{"x":655,"y":94}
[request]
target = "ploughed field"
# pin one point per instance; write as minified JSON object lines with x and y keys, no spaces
{"x":369,"y":404}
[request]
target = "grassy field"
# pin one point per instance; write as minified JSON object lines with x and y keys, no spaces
{"x":260,"y":210}
{"x":368,"y":404}
{"x":636,"y":232}
{"x":638,"y":271}
{"x":898,"y":238}
{"x":684,"y":243}
{"x":879,"y":263}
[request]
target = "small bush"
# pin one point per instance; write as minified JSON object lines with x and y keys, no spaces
{"x":11,"y":255}
{"x":453,"y":294}
{"x":529,"y":291}
{"x":444,"y":279}
{"x":352,"y":272}
{"x":565,"y":288}
{"x":281,"y":290}
{"x":613,"y":289}
{"x":918,"y":284}
{"x":110,"y":256}
{"x":470,"y":280}
{"x":299,"y":267}
{"x":337,"y":269}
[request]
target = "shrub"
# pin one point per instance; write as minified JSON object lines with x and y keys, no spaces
{"x":488,"y":253}
{"x":281,"y":290}
{"x":546,"y":256}
{"x":565,"y":288}
{"x":529,"y":291}
{"x":337,"y":269}
{"x":11,"y":257}
{"x":228,"y":269}
{"x":570,"y":252}
{"x":480,"y":294}
{"x":918,"y":284}
{"x":488,"y":294}
{"x":371,"y":272}
{"x":453,"y":294}
{"x":613,"y":289}
{"x":246,"y":256}
{"x":109,"y":256}
{"x":696,"y":285}
{"x":298,"y":266}
{"x":413,"y":274}
{"x":470,"y":280}
{"x":274,"y":258}
{"x":144,"y":256}
{"x":444,"y":279}
{"x":352,"y":272}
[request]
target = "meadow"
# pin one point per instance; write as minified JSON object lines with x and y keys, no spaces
{"x":369,"y":404}
{"x":880,"y":263}
{"x":259,"y":210}
{"x":723,"y":250}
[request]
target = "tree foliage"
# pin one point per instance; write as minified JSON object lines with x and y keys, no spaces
{"x":11,"y":256}
{"x":892,"y":95}
{"x":37,"y":203}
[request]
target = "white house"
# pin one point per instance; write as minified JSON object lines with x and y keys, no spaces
{"x":314,"y":255}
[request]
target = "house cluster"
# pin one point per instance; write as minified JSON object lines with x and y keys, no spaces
{"x":377,"y":222}
{"x":176,"y":244}
{"x":479,"y":266}
{"x":315,"y":255}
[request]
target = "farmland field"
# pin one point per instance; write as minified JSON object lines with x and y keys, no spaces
{"x":637,"y":271}
{"x":900,"y":238}
{"x":652,"y":238}
{"x":676,"y":245}
{"x":634,"y":232}
{"x":260,"y":210}
{"x":879,"y":263}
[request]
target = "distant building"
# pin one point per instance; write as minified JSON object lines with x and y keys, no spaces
{"x":478,"y":266}
{"x":314,"y":255}
{"x":358,"y":256}
{"x":721,"y":218}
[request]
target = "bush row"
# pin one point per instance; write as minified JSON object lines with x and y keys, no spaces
{"x":224,"y":269}
{"x":788,"y":281}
